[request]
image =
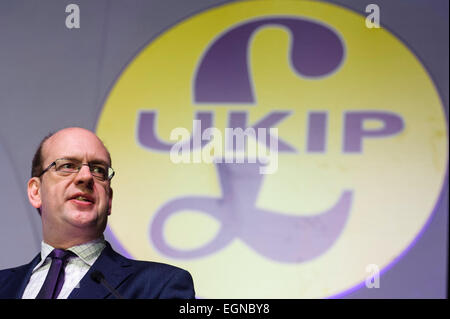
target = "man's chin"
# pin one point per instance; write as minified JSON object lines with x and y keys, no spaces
{"x":85,"y":219}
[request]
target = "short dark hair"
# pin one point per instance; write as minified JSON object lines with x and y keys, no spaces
{"x":36,"y":164}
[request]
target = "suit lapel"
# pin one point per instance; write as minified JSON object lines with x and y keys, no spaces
{"x":15,"y":286}
{"x":114,"y":267}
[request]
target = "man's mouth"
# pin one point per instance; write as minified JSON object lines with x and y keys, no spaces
{"x":83,"y":198}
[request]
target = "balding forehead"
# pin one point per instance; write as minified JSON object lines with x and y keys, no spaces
{"x":75,"y":130}
{"x":74,"y":142}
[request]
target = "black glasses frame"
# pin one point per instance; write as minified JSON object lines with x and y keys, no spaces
{"x":109,"y":168}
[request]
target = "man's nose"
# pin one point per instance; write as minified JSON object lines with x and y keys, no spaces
{"x":84,"y":175}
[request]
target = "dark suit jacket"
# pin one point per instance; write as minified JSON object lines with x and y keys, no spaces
{"x":131,"y":278}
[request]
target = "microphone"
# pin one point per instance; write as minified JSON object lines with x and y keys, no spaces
{"x":98,"y":277}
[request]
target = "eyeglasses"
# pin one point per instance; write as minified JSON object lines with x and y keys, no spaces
{"x":66,"y":167}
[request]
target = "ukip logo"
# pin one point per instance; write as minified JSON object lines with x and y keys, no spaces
{"x":350,"y":141}
{"x":223,"y":77}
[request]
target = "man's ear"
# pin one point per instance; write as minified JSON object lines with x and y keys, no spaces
{"x":110,"y":200}
{"x":34,"y":192}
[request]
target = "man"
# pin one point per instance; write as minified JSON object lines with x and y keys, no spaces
{"x":71,"y":188}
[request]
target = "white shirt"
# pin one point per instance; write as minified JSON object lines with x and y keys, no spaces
{"x":76,"y":267}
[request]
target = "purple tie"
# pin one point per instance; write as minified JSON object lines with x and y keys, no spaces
{"x":55,"y":277}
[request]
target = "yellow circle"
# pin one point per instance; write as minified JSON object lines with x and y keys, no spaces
{"x":395,"y":180}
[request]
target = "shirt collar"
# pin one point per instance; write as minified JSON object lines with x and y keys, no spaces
{"x":88,"y":252}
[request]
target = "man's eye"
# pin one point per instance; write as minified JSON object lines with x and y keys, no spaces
{"x":99,"y":170}
{"x":68,"y":166}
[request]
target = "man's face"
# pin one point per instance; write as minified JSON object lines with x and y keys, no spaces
{"x":76,"y":204}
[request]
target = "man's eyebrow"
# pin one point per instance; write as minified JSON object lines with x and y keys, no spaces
{"x":95,"y":161}
{"x":98,"y":161}
{"x":70,"y":158}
